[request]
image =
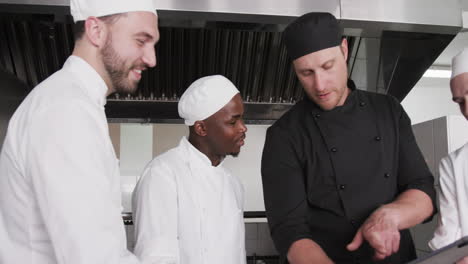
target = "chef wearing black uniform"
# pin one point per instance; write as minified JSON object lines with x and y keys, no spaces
{"x":342,"y":175}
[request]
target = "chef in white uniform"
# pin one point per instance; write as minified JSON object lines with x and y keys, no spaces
{"x":453,"y":198}
{"x":188,"y":208}
{"x":59,"y":176}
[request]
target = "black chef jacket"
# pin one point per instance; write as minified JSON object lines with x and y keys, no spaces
{"x":325,"y":172}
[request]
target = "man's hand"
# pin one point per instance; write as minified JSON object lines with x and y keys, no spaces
{"x":463,"y":260}
{"x":381,"y":231}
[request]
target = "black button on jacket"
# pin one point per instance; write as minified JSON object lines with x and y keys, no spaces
{"x":321,"y":175}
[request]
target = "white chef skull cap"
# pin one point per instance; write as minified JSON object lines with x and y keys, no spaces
{"x":204,"y":97}
{"x":460,"y":63}
{"x":82,"y":9}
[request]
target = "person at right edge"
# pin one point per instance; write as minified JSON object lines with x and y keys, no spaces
{"x":343,"y":178}
{"x":453,"y":170}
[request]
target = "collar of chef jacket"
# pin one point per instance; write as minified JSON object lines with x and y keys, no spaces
{"x":223,"y":197}
{"x":92,"y":82}
{"x":197,"y":157}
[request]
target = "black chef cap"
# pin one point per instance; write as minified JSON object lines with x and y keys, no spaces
{"x":310,"y":33}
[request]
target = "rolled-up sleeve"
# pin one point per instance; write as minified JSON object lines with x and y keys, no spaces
{"x":448,"y":228}
{"x":284,"y":190}
{"x":413,"y":172}
{"x":155,"y":216}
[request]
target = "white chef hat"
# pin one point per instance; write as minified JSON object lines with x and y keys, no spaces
{"x":204,"y":97}
{"x":82,"y":9}
{"x":460,"y":63}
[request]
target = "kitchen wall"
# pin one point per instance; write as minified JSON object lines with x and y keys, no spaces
{"x":430,"y":99}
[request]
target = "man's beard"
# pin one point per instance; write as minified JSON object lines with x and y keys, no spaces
{"x":117,"y":69}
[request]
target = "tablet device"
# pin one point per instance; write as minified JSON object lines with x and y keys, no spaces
{"x":446,"y":255}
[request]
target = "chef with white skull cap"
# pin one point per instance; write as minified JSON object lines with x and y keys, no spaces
{"x":187,"y":207}
{"x":453,"y":170}
{"x":60,"y":198}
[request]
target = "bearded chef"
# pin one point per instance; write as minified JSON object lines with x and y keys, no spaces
{"x":59,"y":175}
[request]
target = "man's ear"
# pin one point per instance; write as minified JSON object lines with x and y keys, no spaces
{"x":344,"y":48}
{"x":96,"y":31}
{"x":200,"y":128}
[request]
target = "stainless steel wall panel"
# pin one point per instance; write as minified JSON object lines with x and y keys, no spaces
{"x":425,"y":12}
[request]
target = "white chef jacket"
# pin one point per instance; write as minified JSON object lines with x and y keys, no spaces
{"x":453,"y":199}
{"x":59,"y":178}
{"x":187,"y":211}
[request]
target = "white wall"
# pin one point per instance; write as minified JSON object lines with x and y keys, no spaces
{"x":430,"y":99}
{"x":247,"y":167}
{"x":136,"y":151}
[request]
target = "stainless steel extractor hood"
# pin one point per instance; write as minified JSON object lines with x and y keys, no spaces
{"x":392,"y":43}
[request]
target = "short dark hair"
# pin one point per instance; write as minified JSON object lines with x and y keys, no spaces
{"x":79,"y":26}
{"x":78,"y":29}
